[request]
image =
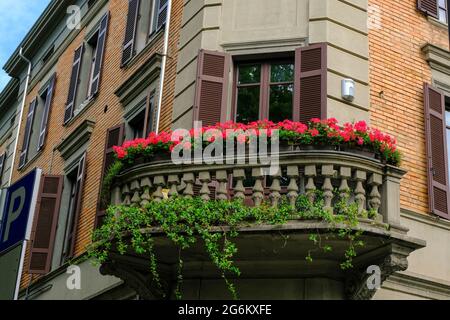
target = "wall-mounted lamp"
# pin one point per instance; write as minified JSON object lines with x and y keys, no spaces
{"x":348,"y":89}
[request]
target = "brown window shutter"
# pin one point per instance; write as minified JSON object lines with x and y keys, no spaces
{"x":74,"y":81}
{"x":101,"y":44}
{"x":162,"y":13}
{"x":436,"y":141}
{"x":429,"y":7}
{"x":45,"y":224}
{"x":114,"y":137}
{"x":27,"y":134}
{"x":81,"y":174}
{"x":211,"y":88}
{"x":310,"y":96}
{"x":130,"y":30}
{"x":45,"y":116}
{"x":2,"y":165}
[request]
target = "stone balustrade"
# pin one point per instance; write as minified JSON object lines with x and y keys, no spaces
{"x":339,"y":175}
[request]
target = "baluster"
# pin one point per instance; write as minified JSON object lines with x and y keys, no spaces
{"x":275,"y":189}
{"x":293,"y":174}
{"x":328,"y":172}
{"x":258,"y":189}
{"x":189,"y":179}
{"x":239,"y":190}
{"x":146,"y":184}
{"x":375,"y":181}
{"x":135,"y":189}
{"x":310,"y":173}
{"x":222,"y":178}
{"x":160,"y":183}
{"x":116,"y":198}
{"x":205,"y":179}
{"x":173,"y":181}
{"x":126,"y":194}
{"x":360,"y":192}
{"x":344,"y":189}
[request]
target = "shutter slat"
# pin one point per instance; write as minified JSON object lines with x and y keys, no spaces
{"x":130,"y":31}
{"x":310,"y":96}
{"x":81,"y":174}
{"x":45,"y":224}
{"x":211,"y":88}
{"x":114,"y":137}
{"x":428,"y":7}
{"x":74,"y":81}
{"x":436,"y":140}
{"x":45,"y":116}
{"x":27,"y":134}
{"x":99,"y":53}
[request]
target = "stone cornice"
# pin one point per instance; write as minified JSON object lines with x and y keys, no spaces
{"x":76,"y":139}
{"x":438,"y":58}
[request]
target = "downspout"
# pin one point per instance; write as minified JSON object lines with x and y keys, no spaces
{"x":163,"y":65}
{"x":24,"y":99}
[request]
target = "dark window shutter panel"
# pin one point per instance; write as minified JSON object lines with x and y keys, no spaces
{"x":162,"y":13}
{"x":436,"y":140}
{"x":130,"y":30}
{"x":46,"y":114}
{"x":101,"y":45}
{"x":429,"y":7}
{"x":27,"y":134}
{"x":45,"y":224}
{"x":81,"y":174}
{"x":211,"y":88}
{"x":114,"y":137}
{"x":2,"y":165}
{"x":310,"y":96}
{"x":74,"y":81}
{"x":150,"y":114}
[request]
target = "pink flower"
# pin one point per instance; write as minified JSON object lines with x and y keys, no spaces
{"x":242,"y":139}
{"x":187,"y":146}
{"x":314,"y":132}
{"x":360,"y":141}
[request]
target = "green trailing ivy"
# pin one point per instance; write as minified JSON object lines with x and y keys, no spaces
{"x":216,"y":223}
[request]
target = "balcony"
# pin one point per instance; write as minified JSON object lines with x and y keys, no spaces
{"x":263,"y":249}
{"x":324,"y":168}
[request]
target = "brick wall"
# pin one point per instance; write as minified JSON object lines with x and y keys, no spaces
{"x":398,"y":70}
{"x":112,"y":77}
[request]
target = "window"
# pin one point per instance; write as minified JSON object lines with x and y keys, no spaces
{"x":75,"y":181}
{"x":443,"y":11}
{"x":37,"y":122}
{"x":265,"y":90}
{"x":447,"y":126}
{"x":145,"y":18}
{"x":142,"y":120}
{"x":86,"y":71}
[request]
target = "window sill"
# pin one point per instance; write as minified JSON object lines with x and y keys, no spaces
{"x":437,"y":22}
{"x":84,"y":107}
{"x":153,"y":39}
{"x":29,"y":162}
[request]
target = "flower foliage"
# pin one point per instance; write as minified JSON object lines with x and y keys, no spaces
{"x":315,"y":133}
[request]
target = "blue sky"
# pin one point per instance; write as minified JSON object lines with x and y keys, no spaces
{"x":16,"y":18}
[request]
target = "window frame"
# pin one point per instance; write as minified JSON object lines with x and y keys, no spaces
{"x":445,"y":9}
{"x":264,"y":84}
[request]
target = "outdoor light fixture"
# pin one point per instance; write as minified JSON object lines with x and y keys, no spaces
{"x":348,"y":89}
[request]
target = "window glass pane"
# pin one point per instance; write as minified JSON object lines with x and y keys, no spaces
{"x":447,"y":118}
{"x":442,"y":15}
{"x":248,"y":104}
{"x":442,"y":3}
{"x":282,"y":73}
{"x":249,"y":74}
{"x":281,"y":102}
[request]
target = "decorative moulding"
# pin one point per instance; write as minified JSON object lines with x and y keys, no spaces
{"x":76,"y":139}
{"x":438,"y":58}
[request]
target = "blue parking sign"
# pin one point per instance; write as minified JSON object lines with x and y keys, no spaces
{"x":19,"y":206}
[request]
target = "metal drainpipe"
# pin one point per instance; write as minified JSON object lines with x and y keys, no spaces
{"x":163,"y":65}
{"x":24,"y":99}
